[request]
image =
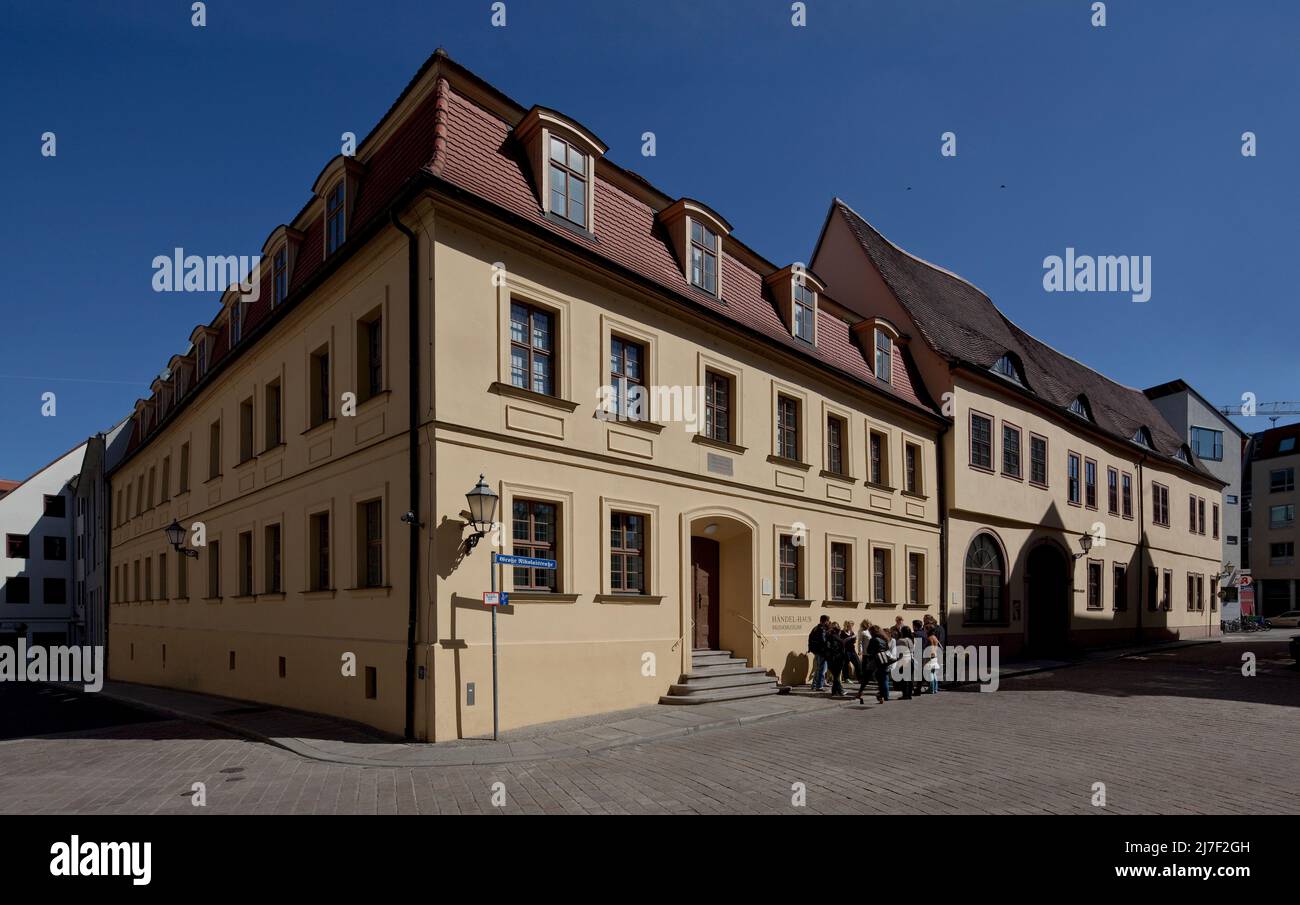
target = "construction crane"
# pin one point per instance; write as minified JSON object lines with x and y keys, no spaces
{"x":1270,"y":410}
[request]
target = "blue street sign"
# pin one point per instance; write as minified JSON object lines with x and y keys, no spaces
{"x":503,"y":559}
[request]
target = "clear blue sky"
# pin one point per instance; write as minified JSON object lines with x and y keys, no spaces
{"x":1115,"y":140}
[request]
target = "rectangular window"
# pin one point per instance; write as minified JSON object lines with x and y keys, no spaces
{"x":166,"y":484}
{"x":1072,"y":474}
{"x":884,"y":357}
{"x":626,"y":370}
{"x":336,"y":227}
{"x":185,"y":468}
{"x":153,"y":473}
{"x":214,"y":569}
{"x":1090,"y":483}
{"x":878,"y":458}
{"x":1281,"y":480}
{"x":279,"y":277}
{"x":271,"y":543}
{"x":372,"y":683}
{"x":981,"y":441}
{"x":272,"y":412}
{"x":915,"y":579}
{"x":627,"y":553}
{"x":1207,"y":444}
{"x":1214,"y":595}
{"x":534,"y":530}
{"x":1094,"y":586}
{"x":1281,"y":553}
{"x":56,"y":548}
{"x":568,"y":169}
{"x":370,"y":355}
{"x":1126,"y":494}
{"x":246,"y":430}
{"x":245,"y":562}
{"x":1011,"y":451}
{"x":1119,"y":591}
{"x":56,"y":590}
{"x":1200,"y":516}
{"x":1214,"y":520}
{"x":55,"y":506}
{"x":1112,"y":491}
{"x":214,"y":450}
{"x":1191,"y":513}
{"x":17,"y":546}
{"x":1281,"y":516}
{"x":371,"y":531}
{"x":840,"y":559}
{"x":880,"y":578}
{"x":912,"y":468}
{"x":1191,"y":593}
{"x":717,"y":406}
{"x":162,"y":576}
{"x":1038,"y":460}
{"x":704,"y":258}
{"x":1153,"y":589}
{"x":790,"y":580}
{"x":319,"y":367}
{"x":182,"y":576}
{"x":18,"y":590}
{"x":1167,"y":590}
{"x":835,"y":445}
{"x":532,"y":349}
{"x":318,"y":539}
{"x":805,"y":307}
{"x":787,"y":428}
{"x":1160,"y":504}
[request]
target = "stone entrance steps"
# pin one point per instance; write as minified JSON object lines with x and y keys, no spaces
{"x":717,"y":676}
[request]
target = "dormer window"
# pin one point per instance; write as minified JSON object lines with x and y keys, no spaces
{"x":1080,"y":407}
{"x":236,"y":322}
{"x":568,"y":182}
{"x":336,"y":217}
{"x":279,"y":276}
{"x":1182,"y":455}
{"x":704,"y":257}
{"x":201,"y":355}
{"x":1008,"y":368}
{"x":1143,"y":438}
{"x":805,"y":311}
{"x":884,"y":357}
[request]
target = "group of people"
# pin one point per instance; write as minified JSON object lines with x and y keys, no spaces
{"x":873,"y":652}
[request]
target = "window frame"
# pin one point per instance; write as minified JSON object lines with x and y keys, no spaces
{"x":971,"y":441}
{"x":1046,"y":460}
{"x":1018,"y":474}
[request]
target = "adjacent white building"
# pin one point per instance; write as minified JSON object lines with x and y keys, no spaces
{"x":37,"y":521}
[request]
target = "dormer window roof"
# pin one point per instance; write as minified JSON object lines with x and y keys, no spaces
{"x":562,"y":155}
{"x":281,"y":250}
{"x":201,"y":339}
{"x":1009,"y":367}
{"x":1183,"y":455}
{"x":1081,"y":408}
{"x":696,"y":235}
{"x":337,"y":187}
{"x":1142,"y":437}
{"x":797,"y":292}
{"x":877,"y":337}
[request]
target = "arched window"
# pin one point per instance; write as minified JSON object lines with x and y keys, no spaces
{"x":985,"y":580}
{"x":1009,"y":367}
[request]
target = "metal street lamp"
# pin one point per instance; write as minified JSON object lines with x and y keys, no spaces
{"x":176,"y":537}
{"x":482,"y":511}
{"x":1086,"y":543}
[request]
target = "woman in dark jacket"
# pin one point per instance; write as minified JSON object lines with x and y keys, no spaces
{"x":875,"y":665}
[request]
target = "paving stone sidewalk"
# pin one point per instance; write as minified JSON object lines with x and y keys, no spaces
{"x":331,"y":740}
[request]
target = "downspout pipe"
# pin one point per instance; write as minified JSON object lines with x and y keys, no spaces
{"x":1144,"y":574}
{"x":413,"y":459}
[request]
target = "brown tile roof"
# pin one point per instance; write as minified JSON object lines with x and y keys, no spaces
{"x":963,"y":325}
{"x":1268,"y":443}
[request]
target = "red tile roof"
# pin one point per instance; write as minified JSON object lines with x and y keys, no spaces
{"x":449,"y":137}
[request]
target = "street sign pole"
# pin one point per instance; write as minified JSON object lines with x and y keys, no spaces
{"x":496,"y":724}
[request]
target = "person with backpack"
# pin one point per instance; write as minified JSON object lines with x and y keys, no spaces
{"x":817,"y":642}
{"x":835,"y":658}
{"x":903,"y":672}
{"x":877,"y":663}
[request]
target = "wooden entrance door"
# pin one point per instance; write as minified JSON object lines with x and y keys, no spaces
{"x":704,"y":591}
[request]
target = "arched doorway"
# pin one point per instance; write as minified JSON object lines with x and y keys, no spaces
{"x":1048,"y":592}
{"x":720,"y":590}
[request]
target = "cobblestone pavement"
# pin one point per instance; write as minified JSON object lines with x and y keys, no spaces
{"x":1162,"y":731}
